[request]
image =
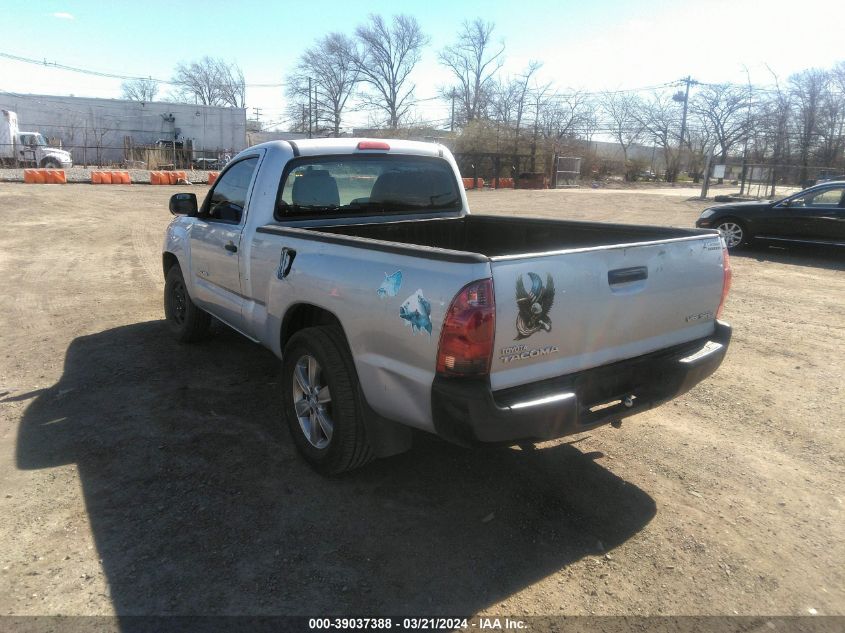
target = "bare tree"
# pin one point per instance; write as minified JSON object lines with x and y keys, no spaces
{"x":521,"y":92}
{"x":565,"y":115}
{"x":330,"y":68}
{"x":838,"y":96}
{"x":807,"y":89}
{"x":231,"y":86}
{"x":838,"y":76}
{"x":211,"y":82}
{"x":621,"y":109}
{"x":700,"y":142}
{"x":384,"y":56}
{"x":474,"y":59}
{"x":658,"y":117}
{"x":541,"y":99}
{"x":297,"y":115}
{"x":504,"y":96}
{"x":564,"y":120}
{"x":724,"y":109}
{"x":774,"y":119}
{"x":509,"y":101}
{"x":831,"y":123}
{"x":139,"y":89}
{"x":100,"y":128}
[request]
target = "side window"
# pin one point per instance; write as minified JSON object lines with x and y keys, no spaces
{"x":826,"y":198}
{"x":228,"y":198}
{"x":829,"y":198}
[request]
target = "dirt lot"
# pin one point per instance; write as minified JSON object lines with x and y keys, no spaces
{"x":141,"y":477}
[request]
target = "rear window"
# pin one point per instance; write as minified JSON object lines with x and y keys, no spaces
{"x":367,"y":185}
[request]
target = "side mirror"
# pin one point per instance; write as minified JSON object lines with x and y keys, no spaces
{"x":184,"y":204}
{"x":785,"y":203}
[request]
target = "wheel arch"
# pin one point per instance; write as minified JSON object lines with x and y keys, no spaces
{"x":168,"y":261}
{"x":303,"y":315}
{"x":743,"y":222}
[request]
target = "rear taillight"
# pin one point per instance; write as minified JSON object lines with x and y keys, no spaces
{"x":727,"y":276}
{"x":466,"y":341}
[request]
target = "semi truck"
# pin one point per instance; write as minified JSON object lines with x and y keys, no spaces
{"x":28,"y":149}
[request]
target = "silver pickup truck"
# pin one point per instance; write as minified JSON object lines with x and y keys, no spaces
{"x":358,"y":263}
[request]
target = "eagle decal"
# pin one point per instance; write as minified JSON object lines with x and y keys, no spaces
{"x":534,"y":304}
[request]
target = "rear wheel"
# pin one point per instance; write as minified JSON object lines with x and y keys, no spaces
{"x":320,"y":400}
{"x":733,"y":232}
{"x":186,"y":321}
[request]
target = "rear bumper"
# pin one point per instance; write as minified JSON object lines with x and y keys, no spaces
{"x":468,"y":412}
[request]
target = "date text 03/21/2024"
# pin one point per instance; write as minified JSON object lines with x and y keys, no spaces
{"x":413,"y":624}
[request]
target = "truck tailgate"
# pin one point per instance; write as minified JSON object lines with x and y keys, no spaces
{"x":558,"y":313}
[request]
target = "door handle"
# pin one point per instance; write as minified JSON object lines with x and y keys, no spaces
{"x":230,"y":246}
{"x":626,"y":275}
{"x":286,"y":262}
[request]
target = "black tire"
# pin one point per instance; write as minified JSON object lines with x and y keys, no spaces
{"x":346,"y":447}
{"x":185,"y":320}
{"x":51,"y":164}
{"x":729,"y":227}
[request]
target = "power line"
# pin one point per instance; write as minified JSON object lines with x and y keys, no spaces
{"x":108,"y":75}
{"x":433,"y":104}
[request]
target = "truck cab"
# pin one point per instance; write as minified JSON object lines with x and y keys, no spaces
{"x":28,"y":148}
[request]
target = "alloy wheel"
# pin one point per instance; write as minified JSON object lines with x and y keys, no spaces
{"x":732,"y":232}
{"x":312,"y":402}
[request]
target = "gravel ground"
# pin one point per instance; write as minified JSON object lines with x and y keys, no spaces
{"x":138,"y":476}
{"x":83,"y":174}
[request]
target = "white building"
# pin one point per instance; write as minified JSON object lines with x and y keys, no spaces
{"x":90,"y":128}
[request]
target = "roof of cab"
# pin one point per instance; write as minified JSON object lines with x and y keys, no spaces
{"x":322,"y":146}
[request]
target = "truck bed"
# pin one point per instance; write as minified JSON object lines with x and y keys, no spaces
{"x":496,"y":236}
{"x":594,"y":293}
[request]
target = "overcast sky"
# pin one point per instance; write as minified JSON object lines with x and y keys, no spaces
{"x":583,"y":45}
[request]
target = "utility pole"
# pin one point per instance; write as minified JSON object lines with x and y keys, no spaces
{"x":316,"y":113}
{"x":685,"y":98}
{"x":257,"y":113}
{"x":747,"y":134}
{"x":744,"y":166}
{"x":705,"y":184}
{"x":452,"y":125}
{"x":309,"y":107}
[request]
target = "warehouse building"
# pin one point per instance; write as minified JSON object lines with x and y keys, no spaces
{"x":116,"y":131}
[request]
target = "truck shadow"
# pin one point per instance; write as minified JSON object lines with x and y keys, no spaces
{"x":812,"y":256}
{"x":199,"y":505}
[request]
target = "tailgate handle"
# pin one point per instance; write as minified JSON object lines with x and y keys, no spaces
{"x":626,"y":275}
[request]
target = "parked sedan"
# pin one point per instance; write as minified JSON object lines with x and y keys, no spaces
{"x":815,"y":215}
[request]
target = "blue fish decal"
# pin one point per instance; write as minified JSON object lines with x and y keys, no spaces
{"x":391,"y":284}
{"x":416,"y":311}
